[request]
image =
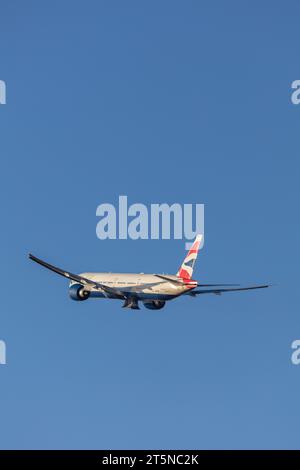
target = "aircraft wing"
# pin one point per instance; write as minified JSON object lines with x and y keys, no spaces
{"x":181,"y":281}
{"x":80,"y":279}
{"x":220,"y":291}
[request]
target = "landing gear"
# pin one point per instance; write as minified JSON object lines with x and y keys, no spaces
{"x":131,"y":303}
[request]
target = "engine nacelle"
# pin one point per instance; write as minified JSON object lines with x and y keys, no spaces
{"x":154,"y":304}
{"x":77,"y":292}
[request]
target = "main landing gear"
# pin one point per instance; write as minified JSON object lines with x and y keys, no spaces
{"x":131,"y":303}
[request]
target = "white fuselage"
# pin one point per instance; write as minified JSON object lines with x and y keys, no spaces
{"x":142,"y":286}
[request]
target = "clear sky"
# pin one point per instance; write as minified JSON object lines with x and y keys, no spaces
{"x":163,"y":101}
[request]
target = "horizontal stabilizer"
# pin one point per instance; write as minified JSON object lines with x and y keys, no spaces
{"x":220,"y":291}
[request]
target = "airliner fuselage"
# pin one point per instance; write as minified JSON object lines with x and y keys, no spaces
{"x":142,"y":286}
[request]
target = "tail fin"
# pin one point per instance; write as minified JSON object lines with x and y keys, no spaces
{"x":186,"y":269}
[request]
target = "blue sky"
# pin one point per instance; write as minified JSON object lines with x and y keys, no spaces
{"x":163,"y":101}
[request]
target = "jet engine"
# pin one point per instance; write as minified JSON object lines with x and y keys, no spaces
{"x":77,"y":292}
{"x":154,"y":304}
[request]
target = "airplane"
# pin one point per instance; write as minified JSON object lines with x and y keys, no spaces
{"x":153,"y":290}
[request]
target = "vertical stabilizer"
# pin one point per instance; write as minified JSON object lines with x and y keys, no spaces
{"x":187,"y":267}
